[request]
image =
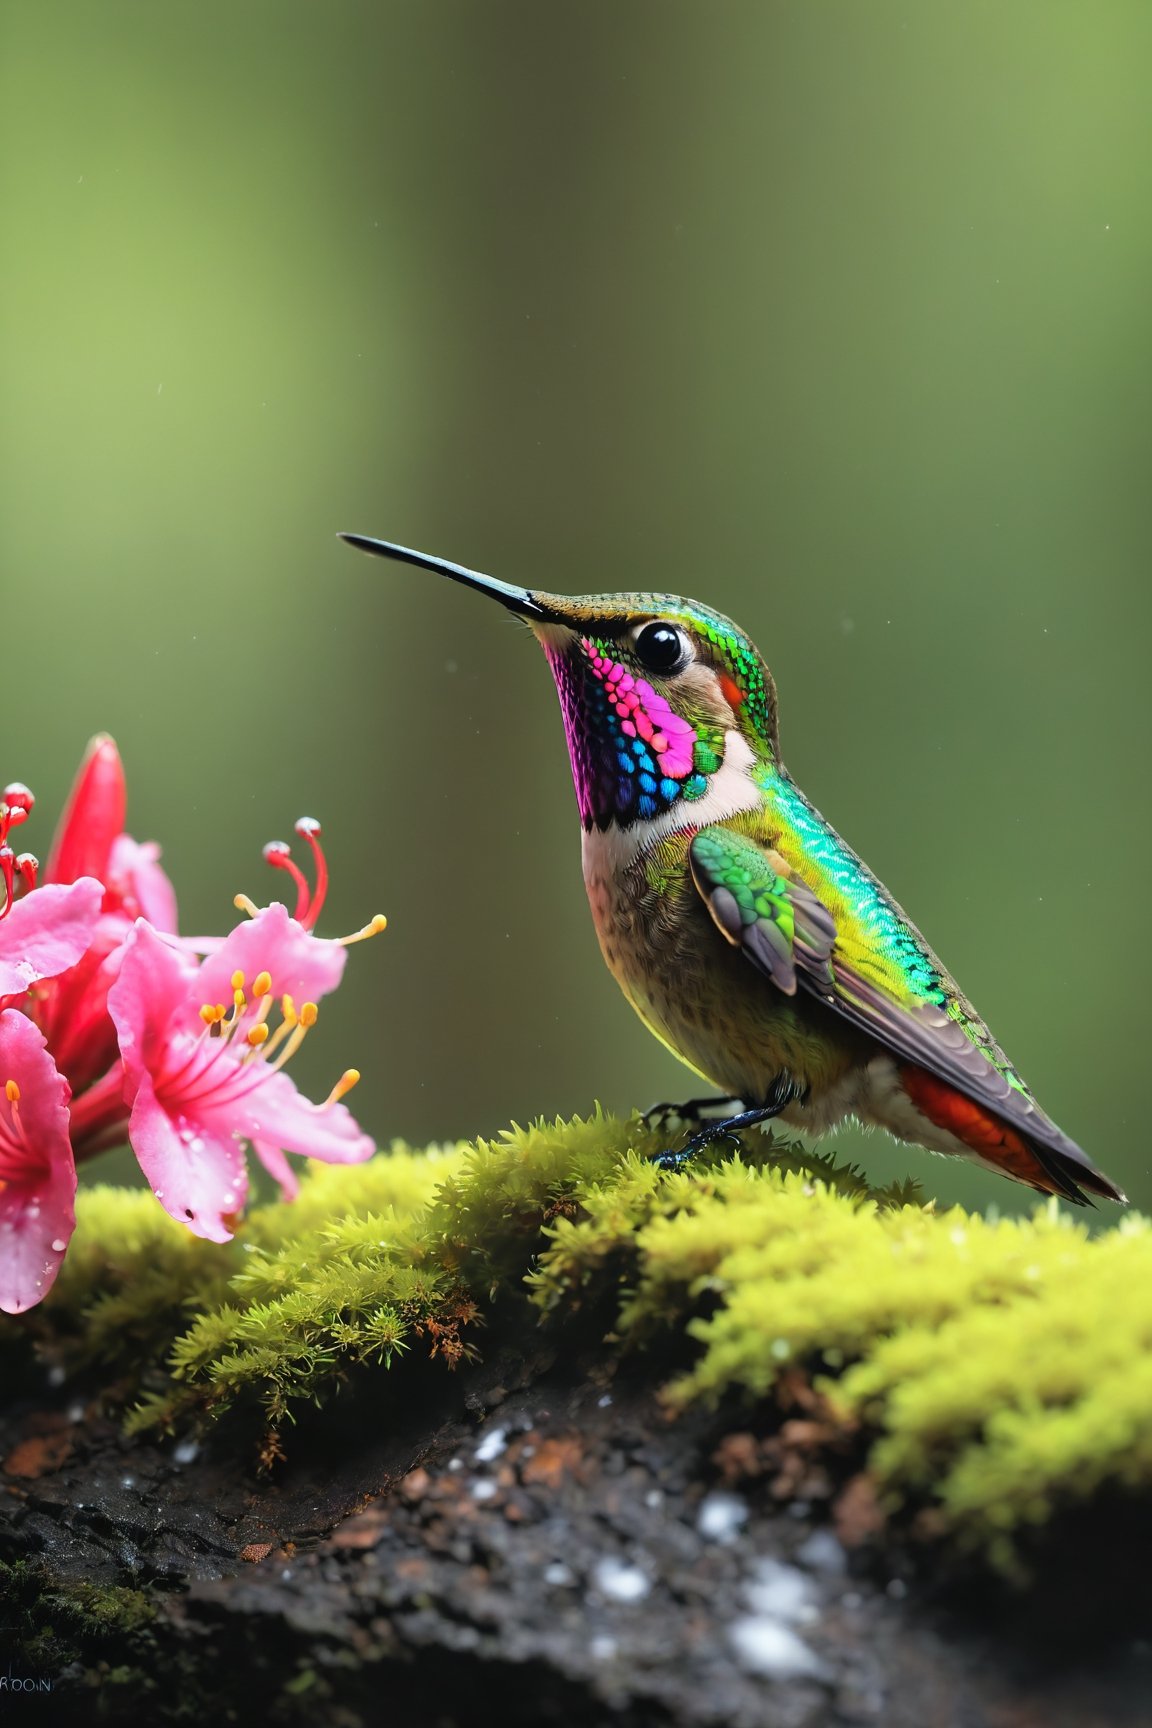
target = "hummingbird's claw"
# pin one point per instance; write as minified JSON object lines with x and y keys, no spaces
{"x":692,"y":1114}
{"x":729,"y":1127}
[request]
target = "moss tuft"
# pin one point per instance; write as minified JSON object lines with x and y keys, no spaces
{"x":999,"y":1370}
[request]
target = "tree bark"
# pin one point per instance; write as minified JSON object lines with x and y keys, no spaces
{"x":530,"y":1541}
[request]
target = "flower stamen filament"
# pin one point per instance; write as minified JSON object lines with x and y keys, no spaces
{"x":349,"y":1078}
{"x":374,"y":926}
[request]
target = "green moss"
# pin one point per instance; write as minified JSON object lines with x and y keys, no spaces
{"x":1001,"y":1370}
{"x":54,"y":1625}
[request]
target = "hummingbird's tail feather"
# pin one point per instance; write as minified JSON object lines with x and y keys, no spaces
{"x":1060,"y":1169}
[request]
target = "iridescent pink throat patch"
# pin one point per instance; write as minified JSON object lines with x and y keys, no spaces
{"x":644,"y":713}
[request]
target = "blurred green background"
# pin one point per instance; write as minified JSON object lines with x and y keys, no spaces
{"x":834,"y":316}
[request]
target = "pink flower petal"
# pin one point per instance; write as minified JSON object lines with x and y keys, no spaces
{"x":153,"y":988}
{"x":46,"y":932}
{"x":301,"y":965}
{"x":275,"y":1112}
{"x":278,"y":1168}
{"x":136,"y":880}
{"x":197,"y":1176}
{"x":37,"y":1173}
{"x":92,"y":817}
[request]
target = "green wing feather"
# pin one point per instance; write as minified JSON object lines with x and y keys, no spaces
{"x":779,"y":922}
{"x":786,"y":931}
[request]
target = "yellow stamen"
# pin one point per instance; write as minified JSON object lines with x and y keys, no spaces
{"x":239,"y":1000}
{"x":307,"y":1018}
{"x":243,"y":904}
{"x":12,"y":1092}
{"x":237,"y":980}
{"x":257,"y":1035}
{"x":349,"y":1078}
{"x":208,"y":1014}
{"x":262,"y":984}
{"x":372,"y":928}
{"x":288,"y":1010}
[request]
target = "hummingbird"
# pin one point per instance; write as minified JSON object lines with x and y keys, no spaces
{"x":747,"y":935}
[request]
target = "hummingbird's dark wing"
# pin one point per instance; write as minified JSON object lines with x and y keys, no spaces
{"x":786,"y":930}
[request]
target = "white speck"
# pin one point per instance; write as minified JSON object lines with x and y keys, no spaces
{"x":780,"y":1591}
{"x":602,"y":1648}
{"x":186,"y":1452}
{"x":127,"y":1481}
{"x":559,"y":1574}
{"x":484,"y":1490}
{"x":654,"y":1497}
{"x":896,"y":1589}
{"x":603,"y":1403}
{"x":721,"y":1517}
{"x":58,"y":1245}
{"x":780,"y":1349}
{"x":56,"y":1375}
{"x":455,"y":1463}
{"x":958,"y":1237}
{"x":491,"y":1446}
{"x":620,"y":1582}
{"x":159,"y":387}
{"x":75,"y":1412}
{"x":285,"y":1573}
{"x":822,"y":1552}
{"x":763,"y":1646}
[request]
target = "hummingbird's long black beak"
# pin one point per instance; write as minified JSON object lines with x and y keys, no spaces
{"x":519,"y":600}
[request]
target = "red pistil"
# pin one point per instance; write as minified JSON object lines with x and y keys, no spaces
{"x":278,"y":853}
{"x":309,"y":901}
{"x":16,"y":804}
{"x":309,"y":829}
{"x":15,"y":807}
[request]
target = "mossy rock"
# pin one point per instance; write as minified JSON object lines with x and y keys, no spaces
{"x":998,"y":1371}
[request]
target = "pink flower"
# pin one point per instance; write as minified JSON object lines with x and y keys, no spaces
{"x":45,"y":933}
{"x":47,"y":930}
{"x":90,"y":841}
{"x":92,"y":817}
{"x":203,"y":1069}
{"x":90,"y":838}
{"x":37,"y":1173}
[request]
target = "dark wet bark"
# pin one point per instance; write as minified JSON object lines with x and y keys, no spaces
{"x":527,"y":1542}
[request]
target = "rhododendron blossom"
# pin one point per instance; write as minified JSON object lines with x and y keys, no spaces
{"x":37,"y":1173}
{"x":204,"y":1064}
{"x":49,"y":929}
{"x":73,"y":1011}
{"x":112,"y":1027}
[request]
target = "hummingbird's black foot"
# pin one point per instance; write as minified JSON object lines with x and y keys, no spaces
{"x":694,"y":1114}
{"x":731,"y":1127}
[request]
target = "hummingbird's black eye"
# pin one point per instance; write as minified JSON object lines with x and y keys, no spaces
{"x":661,"y":647}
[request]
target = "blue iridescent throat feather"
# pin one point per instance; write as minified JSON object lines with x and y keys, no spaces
{"x":618,"y":777}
